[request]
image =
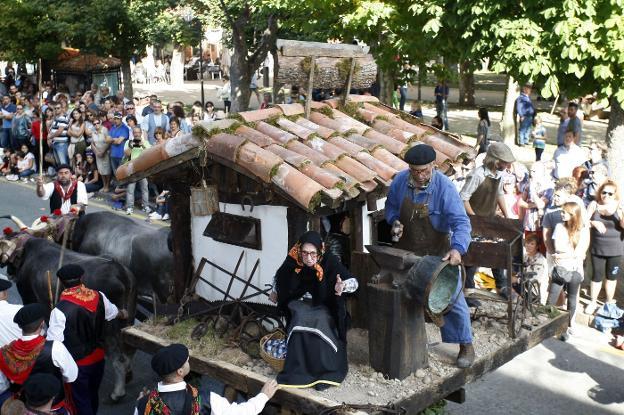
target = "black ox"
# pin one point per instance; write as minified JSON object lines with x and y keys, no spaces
{"x":146,"y":251}
{"x":28,"y":260}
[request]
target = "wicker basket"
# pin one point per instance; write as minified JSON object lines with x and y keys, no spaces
{"x":277,"y":364}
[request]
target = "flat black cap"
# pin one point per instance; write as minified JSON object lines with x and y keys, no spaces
{"x":169,"y":359}
{"x":29,"y":314}
{"x":70,"y":272}
{"x":5,"y":284}
{"x":420,"y":154}
{"x":40,"y":388}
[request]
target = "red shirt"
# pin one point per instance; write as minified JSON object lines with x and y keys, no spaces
{"x":36,"y":129}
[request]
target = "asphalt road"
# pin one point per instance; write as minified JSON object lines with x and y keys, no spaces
{"x":580,"y":377}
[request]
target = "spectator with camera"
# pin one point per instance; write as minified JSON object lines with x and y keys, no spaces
{"x":132,"y":150}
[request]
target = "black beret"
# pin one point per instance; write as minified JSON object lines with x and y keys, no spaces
{"x":40,"y":388}
{"x":70,"y":272}
{"x":29,"y":314}
{"x":420,"y":154}
{"x":4,"y":284}
{"x":169,"y":359}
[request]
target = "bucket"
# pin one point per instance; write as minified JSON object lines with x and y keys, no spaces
{"x":434,"y":284}
{"x":204,"y":200}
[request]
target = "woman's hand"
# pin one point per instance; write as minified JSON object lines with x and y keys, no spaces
{"x":340,"y":285}
{"x":599,"y":226}
{"x":273,"y":297}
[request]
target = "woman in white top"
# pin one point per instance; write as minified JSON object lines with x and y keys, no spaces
{"x":76,"y":133}
{"x":174,"y":125}
{"x":102,"y":153}
{"x":570,"y":245}
{"x":26,"y":163}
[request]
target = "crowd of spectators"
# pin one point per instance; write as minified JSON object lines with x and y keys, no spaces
{"x":94,"y":132}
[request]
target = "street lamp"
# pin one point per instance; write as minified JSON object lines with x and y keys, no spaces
{"x":188,"y":18}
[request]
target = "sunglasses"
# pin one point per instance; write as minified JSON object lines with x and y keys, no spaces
{"x":608,"y":193}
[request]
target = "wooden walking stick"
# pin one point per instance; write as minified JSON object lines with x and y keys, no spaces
{"x":41,"y":121}
{"x":60,"y":264}
{"x":49,"y":275}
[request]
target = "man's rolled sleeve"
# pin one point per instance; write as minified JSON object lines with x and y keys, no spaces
{"x":395,"y":197}
{"x":458,"y":221}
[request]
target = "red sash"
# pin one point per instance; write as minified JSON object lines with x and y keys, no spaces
{"x":18,"y":358}
{"x":82,"y":296}
{"x":59,"y":189}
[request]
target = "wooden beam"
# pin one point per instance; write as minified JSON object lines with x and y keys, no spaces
{"x":163,"y":166}
{"x":345,"y":94}
{"x":240,"y":379}
{"x":336,"y":50}
{"x":180,"y":211}
{"x":308,"y":103}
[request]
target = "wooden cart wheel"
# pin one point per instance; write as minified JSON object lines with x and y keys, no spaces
{"x":519,"y":310}
{"x":531,"y":291}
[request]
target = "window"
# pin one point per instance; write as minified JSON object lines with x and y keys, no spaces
{"x":235,"y":230}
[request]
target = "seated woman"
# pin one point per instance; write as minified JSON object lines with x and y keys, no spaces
{"x":317,"y":326}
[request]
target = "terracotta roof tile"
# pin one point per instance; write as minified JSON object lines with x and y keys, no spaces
{"x":321,"y":131}
{"x":327,"y":122}
{"x":254,"y":136}
{"x":291,"y":109}
{"x":385,"y":127}
{"x":390,"y":143}
{"x":389,"y":159}
{"x":382,"y":170}
{"x":314,"y":160}
{"x":315,"y":105}
{"x":296,"y":129}
{"x":297,"y":185}
{"x":225,"y":145}
{"x":300,"y":148}
{"x":292,"y":158}
{"x":260,"y":162}
{"x":351,"y":122}
{"x":259,"y":115}
{"x":363,"y":98}
{"x":281,"y":136}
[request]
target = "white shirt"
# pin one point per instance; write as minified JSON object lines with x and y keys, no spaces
{"x":61,"y":358}
{"x":56,"y":327}
{"x":25,"y":163}
{"x":9,"y":331}
{"x":567,"y":159}
{"x":81,"y":197}
{"x":218,"y":404}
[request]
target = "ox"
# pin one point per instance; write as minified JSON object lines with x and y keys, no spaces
{"x":139,"y":246}
{"x":28,"y":259}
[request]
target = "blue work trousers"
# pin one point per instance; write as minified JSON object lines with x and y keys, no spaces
{"x":456,"y":328}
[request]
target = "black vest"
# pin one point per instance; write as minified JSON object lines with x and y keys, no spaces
{"x":83,"y":329}
{"x":56,"y":201}
{"x":179,"y":402}
{"x":45,"y":364}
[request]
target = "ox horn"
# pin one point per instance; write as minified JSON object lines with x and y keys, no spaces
{"x":18,"y":222}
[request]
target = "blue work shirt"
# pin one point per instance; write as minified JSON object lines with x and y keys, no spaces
{"x":117,"y":150}
{"x":446,"y":210}
{"x":9,"y":108}
{"x":524,"y":106}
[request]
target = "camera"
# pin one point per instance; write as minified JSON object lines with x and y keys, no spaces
{"x":136,"y":142}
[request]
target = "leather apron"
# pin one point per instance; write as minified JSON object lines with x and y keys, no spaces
{"x":484,"y":199}
{"x":419,"y":235}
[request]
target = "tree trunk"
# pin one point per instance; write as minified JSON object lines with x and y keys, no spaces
{"x":616,"y":118}
{"x":466,"y":85}
{"x":177,"y":66}
{"x":126,"y":75}
{"x":386,"y":85}
{"x":508,"y":120}
{"x":240,"y":78}
{"x":276,"y":85}
{"x":422,"y":77}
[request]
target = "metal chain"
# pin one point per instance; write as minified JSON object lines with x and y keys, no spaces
{"x":344,"y":408}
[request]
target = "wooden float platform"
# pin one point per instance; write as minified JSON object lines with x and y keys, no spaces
{"x":301,"y":401}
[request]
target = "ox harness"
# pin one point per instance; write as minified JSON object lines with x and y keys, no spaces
{"x":59,"y":196}
{"x":84,"y":312}
{"x":22,"y":358}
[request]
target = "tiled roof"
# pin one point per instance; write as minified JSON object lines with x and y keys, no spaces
{"x":328,"y":158}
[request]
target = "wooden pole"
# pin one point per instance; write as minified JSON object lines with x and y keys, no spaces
{"x":180,"y":209}
{"x":60,"y":264}
{"x":345,"y":95}
{"x":41,"y":121}
{"x":552,"y":110}
{"x":308,"y":104}
{"x":49,"y":276}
